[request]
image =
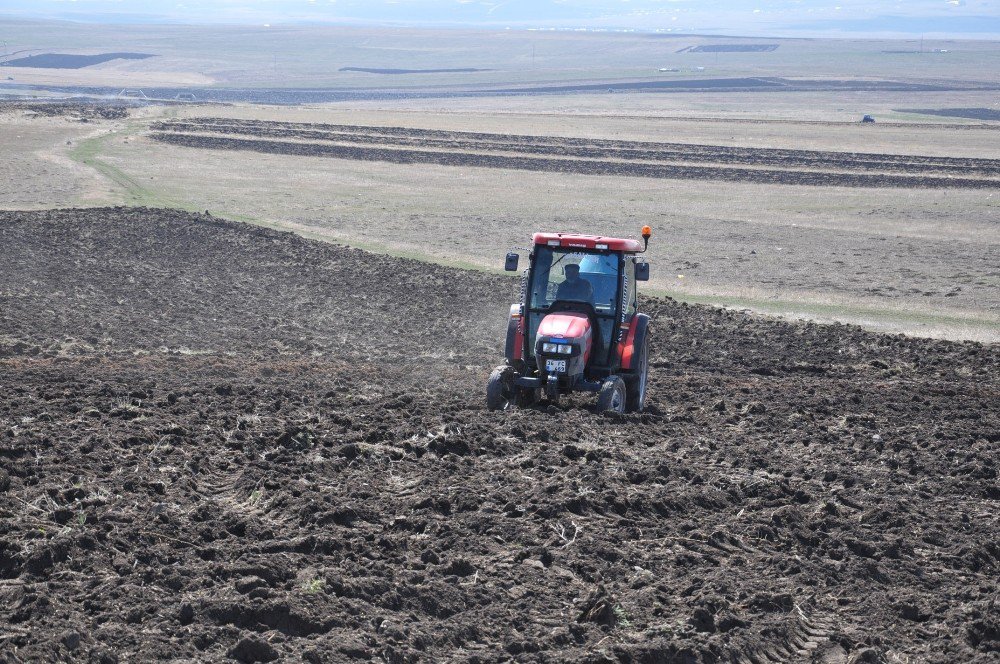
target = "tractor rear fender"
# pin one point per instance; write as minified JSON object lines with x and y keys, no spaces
{"x":515,"y":335}
{"x":638,"y":329}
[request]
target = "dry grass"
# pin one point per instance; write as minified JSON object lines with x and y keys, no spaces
{"x":35,"y":168}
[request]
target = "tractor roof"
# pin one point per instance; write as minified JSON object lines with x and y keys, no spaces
{"x":588,"y":242}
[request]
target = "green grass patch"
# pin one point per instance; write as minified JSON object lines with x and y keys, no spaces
{"x":88,"y":152}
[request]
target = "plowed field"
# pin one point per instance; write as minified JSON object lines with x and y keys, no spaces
{"x":219,"y":441}
{"x":586,"y":156}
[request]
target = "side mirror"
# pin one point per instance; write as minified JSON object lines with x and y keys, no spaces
{"x":642,"y":271}
{"x":510,"y":265}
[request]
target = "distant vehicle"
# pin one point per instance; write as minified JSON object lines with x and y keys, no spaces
{"x":868,"y":118}
{"x":668,"y":69}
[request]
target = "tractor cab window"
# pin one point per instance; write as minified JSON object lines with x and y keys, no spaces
{"x":631,"y":299}
{"x":564,"y":274}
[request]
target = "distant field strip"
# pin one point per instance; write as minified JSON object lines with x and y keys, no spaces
{"x":72,"y":61}
{"x":730,"y":48}
{"x":988,"y":114}
{"x":585,"y":156}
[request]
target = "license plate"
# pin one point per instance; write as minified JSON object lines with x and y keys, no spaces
{"x":555,"y":366}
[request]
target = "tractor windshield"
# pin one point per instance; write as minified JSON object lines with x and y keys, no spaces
{"x":567,"y":274}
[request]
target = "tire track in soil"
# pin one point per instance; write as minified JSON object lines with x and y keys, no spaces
{"x":214,"y":472}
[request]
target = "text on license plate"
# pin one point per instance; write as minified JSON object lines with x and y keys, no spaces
{"x":555,"y":366}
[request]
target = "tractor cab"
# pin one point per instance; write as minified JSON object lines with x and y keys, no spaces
{"x":577,"y":326}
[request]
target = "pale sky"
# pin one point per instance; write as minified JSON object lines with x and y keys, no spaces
{"x":970,"y":18}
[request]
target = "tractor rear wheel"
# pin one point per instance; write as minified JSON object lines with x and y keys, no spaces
{"x":612,"y":397}
{"x":637,"y":384}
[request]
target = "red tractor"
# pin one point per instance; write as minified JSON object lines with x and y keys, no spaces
{"x":577,"y":326}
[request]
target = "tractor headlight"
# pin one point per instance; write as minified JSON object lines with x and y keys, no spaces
{"x":557,"y":349}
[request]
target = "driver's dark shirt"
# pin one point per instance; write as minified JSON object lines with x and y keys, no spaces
{"x":581,"y":291}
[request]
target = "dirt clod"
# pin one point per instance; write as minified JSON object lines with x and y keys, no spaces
{"x":71,"y":640}
{"x":250,"y":650}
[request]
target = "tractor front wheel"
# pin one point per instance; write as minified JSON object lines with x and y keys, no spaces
{"x":502,"y":393}
{"x":500,"y":388}
{"x":612,"y":397}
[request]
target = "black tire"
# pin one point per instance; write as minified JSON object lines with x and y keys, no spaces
{"x":613,"y":396}
{"x":638,"y":382}
{"x":500,"y":388}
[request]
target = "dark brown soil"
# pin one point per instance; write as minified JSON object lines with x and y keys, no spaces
{"x":589,"y":148}
{"x":71,"y":61}
{"x":589,"y":156}
{"x":90,"y":111}
{"x":990,"y":114}
{"x":224,"y":442}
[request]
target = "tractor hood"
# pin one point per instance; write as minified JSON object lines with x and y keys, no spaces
{"x":564,"y":337}
{"x":569,"y":325}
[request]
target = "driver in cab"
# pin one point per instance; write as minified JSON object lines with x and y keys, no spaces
{"x":575,"y":287}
